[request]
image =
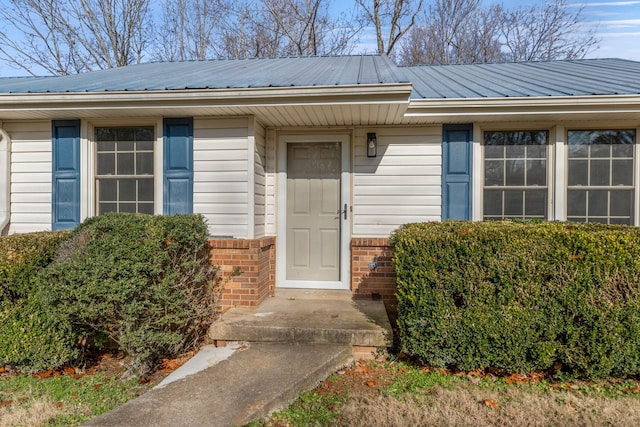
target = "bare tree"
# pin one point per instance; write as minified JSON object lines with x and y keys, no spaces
{"x":287,"y":27}
{"x":454,"y":32}
{"x":71,"y":36}
{"x":395,"y":16}
{"x":189,"y":29}
{"x":551,"y":31}
{"x":465,"y":32}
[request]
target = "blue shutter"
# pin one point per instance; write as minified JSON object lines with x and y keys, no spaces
{"x":66,"y":174}
{"x":456,"y":171}
{"x":178,"y":166}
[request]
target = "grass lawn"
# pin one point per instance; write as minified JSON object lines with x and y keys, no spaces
{"x":69,"y":397}
{"x":399,"y":394}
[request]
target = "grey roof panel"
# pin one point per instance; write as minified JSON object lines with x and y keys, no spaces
{"x":525,"y":79}
{"x":530,"y":79}
{"x":219,"y":74}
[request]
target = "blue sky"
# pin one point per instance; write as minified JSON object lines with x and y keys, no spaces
{"x":617,"y":23}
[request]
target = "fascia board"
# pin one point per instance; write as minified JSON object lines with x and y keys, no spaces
{"x":523,"y":105}
{"x":355,"y":94}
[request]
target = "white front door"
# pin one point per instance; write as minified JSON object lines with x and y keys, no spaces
{"x":313,"y":226}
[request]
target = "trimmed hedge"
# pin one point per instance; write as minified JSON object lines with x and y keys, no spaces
{"x":33,"y":338}
{"x":21,"y":257}
{"x":520,"y":297}
{"x":141,"y":281}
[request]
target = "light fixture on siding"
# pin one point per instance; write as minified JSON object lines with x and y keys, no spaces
{"x":372,"y":145}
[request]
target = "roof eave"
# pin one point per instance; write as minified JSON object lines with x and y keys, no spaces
{"x":569,"y":107}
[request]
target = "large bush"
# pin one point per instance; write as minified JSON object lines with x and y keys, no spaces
{"x":21,"y":257}
{"x":520,"y":297}
{"x":143,"y":282}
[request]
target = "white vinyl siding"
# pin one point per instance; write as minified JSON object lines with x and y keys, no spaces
{"x":260,"y":180}
{"x":30,"y":176}
{"x":402,"y":184}
{"x":221,"y":175}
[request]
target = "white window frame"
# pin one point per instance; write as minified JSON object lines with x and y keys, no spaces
{"x":88,"y":156}
{"x":636,"y":165}
{"x":558,"y":161}
{"x":478,"y":163}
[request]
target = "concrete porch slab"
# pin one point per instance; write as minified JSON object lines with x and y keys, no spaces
{"x":310,"y":316}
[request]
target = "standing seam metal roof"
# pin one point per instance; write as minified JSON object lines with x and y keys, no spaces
{"x":527,"y":79}
{"x":219,"y":74}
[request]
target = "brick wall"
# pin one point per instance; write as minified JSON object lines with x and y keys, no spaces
{"x":378,"y":282}
{"x":257,"y":263}
{"x":255,"y":259}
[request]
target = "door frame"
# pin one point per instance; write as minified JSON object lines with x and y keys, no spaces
{"x":345,"y":224}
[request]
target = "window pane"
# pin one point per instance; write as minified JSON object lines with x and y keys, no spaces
{"x":513,"y":203}
{"x":104,"y":208}
{"x":145,"y":208}
{"x":105,"y":134}
{"x":126,"y":134}
{"x":622,"y":150}
{"x":515,"y":151}
{"x":106,"y":164}
{"x":537,"y":172}
{"x":108,"y":190}
{"x":598,"y":202}
{"x":622,"y":172}
{"x":145,"y":190}
{"x":537,"y":151}
{"x":125,"y":146}
{"x":493,"y":203}
{"x":494,"y":172}
{"x":128,"y":207}
{"x":144,"y":164}
{"x":106,"y":146}
{"x":577,"y":203}
{"x":514,"y":173}
{"x":598,"y":150}
{"x":128,"y":190}
{"x":576,"y":151}
{"x":144,"y":134}
{"x":600,"y":173}
{"x":578,"y":172}
{"x":144,"y":146}
{"x":494,"y":152}
{"x":621,"y":203}
{"x":125,"y":164}
{"x":535,"y":203}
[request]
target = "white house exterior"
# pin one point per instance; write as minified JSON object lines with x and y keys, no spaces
{"x":274,"y":154}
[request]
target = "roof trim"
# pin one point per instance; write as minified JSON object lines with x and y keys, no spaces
{"x":523,"y":105}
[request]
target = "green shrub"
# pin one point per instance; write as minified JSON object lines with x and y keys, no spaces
{"x":21,"y":257}
{"x":33,"y":338}
{"x":520,"y":297}
{"x":143,"y":281}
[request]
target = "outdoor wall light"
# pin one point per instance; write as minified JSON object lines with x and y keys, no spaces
{"x":372,"y":145}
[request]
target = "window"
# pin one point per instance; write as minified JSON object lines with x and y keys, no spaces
{"x":124,"y":169}
{"x":515,"y":174}
{"x":600,"y":176}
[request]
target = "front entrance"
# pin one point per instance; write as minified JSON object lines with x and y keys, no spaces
{"x":313,"y":226}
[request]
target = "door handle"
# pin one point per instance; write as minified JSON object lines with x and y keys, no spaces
{"x":343,"y":211}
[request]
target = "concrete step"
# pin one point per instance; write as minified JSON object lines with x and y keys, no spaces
{"x":308,"y":317}
{"x":254,"y":381}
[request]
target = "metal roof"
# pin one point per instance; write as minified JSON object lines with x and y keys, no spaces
{"x":501,"y":80}
{"x":219,"y":74}
{"x":526,"y":79}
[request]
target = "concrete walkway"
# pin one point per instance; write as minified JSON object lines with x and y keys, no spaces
{"x":286,"y":346}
